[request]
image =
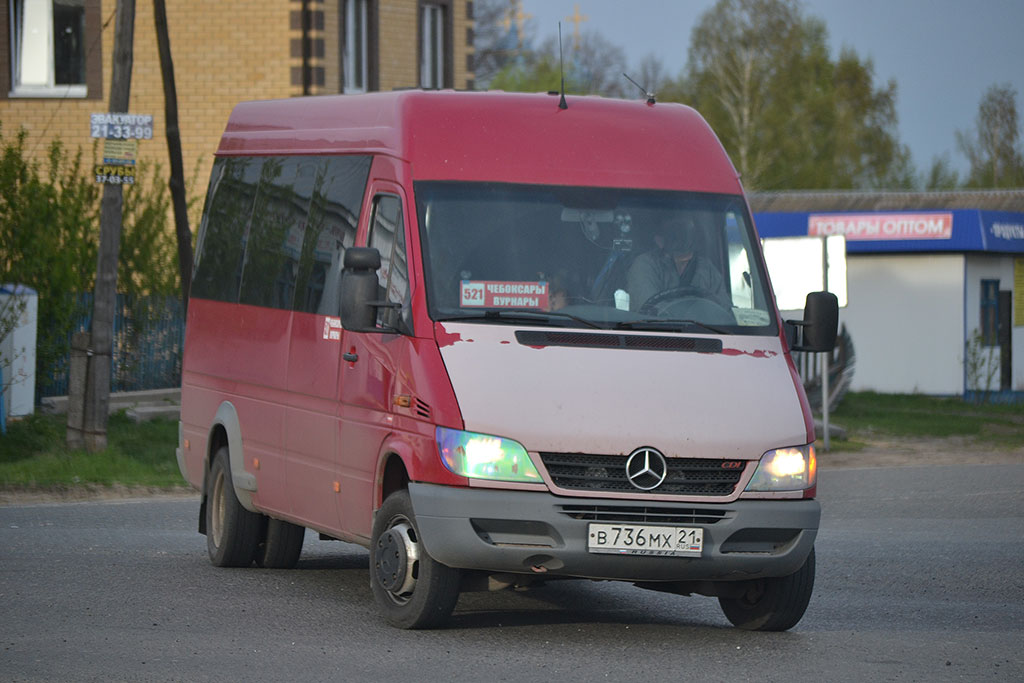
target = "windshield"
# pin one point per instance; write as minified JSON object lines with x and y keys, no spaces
{"x":591,"y":257}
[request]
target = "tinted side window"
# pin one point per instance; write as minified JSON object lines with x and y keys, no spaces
{"x":330,"y":229}
{"x":222,"y":234}
{"x":387,"y":235}
{"x":276,"y":232}
{"x":275,"y":229}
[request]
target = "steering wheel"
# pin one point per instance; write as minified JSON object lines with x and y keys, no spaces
{"x":694,"y":303}
{"x":651,"y":305}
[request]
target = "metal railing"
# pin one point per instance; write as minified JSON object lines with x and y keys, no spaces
{"x":149,"y":335}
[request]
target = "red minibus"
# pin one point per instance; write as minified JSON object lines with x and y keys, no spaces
{"x":496,"y":341}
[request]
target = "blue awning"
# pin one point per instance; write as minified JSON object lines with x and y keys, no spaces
{"x":955,"y":230}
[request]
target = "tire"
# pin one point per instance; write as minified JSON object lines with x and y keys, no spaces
{"x":232,"y":532}
{"x":281,"y":545}
{"x":411,"y":588}
{"x":774,"y":604}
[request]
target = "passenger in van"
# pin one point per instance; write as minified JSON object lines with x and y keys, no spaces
{"x":675,"y":262}
{"x":558,"y":289}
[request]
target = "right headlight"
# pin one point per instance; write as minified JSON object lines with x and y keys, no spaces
{"x":786,"y":469}
{"x":482,"y":456}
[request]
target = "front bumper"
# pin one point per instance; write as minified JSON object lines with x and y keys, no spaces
{"x":528,"y":532}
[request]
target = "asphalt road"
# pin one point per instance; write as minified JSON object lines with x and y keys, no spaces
{"x":920,"y":578}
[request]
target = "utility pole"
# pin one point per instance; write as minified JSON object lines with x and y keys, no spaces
{"x":177,"y":182}
{"x":97,"y":390}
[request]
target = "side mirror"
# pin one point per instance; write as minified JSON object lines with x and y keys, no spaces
{"x":820,"y":324}
{"x":359,"y":289}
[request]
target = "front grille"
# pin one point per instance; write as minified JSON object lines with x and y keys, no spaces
{"x":643,"y":514}
{"x":686,"y":476}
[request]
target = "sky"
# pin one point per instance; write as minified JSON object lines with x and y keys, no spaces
{"x":943,"y":54}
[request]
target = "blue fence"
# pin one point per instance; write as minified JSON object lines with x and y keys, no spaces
{"x":149,"y":337}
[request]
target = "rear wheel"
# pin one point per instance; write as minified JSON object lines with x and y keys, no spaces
{"x":411,"y":588}
{"x":232,"y":532}
{"x":774,"y":604}
{"x":281,"y":546}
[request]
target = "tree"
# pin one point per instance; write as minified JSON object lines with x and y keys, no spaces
{"x":790,"y":117}
{"x":651,"y":74}
{"x":49,"y":227}
{"x":49,"y":231}
{"x":595,"y":68}
{"x":993,"y":149}
{"x":941,"y":175}
{"x":501,"y":34}
{"x":173,"y":134}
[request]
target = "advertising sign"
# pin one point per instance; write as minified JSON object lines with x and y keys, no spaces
{"x":121,"y":126}
{"x":882,"y":226}
{"x":121,"y":134}
{"x":480,"y":294}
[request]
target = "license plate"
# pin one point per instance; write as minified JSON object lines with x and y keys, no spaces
{"x":638,"y":539}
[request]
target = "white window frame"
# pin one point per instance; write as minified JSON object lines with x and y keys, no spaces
{"x":32,"y":66}
{"x":355,"y":52}
{"x":432,"y":42}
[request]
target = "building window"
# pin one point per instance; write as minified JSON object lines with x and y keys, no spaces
{"x":435,"y":45}
{"x":49,"y":48}
{"x":990,"y":312}
{"x":355,"y":53}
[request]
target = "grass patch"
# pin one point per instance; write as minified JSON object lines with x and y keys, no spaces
{"x":867,"y":415}
{"x":33,"y":454}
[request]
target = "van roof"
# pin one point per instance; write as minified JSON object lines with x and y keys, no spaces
{"x":496,"y":136}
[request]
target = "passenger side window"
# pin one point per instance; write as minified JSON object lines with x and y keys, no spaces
{"x":224,"y":230}
{"x":387,"y":235}
{"x":276,"y":233}
{"x":330,"y":230}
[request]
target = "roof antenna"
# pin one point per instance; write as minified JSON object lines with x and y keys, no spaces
{"x":648,"y":95}
{"x":561,"y":70}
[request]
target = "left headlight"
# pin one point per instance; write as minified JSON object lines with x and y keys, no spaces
{"x":786,"y":469}
{"x":481,"y":456}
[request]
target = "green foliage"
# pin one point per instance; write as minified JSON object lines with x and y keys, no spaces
{"x":149,"y":251}
{"x":941,"y":175}
{"x":49,"y":232}
{"x":982,"y":363}
{"x":33,"y":454}
{"x":868,"y":414}
{"x":49,"y":221}
{"x":593,"y":67}
{"x":790,"y":117}
{"x":993,"y":148}
{"x":539,"y":73}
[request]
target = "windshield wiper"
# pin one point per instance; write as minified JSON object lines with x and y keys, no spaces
{"x":666,"y":323}
{"x":516,"y":314}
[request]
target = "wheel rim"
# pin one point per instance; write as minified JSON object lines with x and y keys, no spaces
{"x":217,"y":509}
{"x":754,"y":594}
{"x":397,"y":560}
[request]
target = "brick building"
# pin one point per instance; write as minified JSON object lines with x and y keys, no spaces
{"x":55,"y":65}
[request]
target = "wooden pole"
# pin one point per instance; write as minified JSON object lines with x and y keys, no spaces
{"x":177,"y":182}
{"x":97,"y":394}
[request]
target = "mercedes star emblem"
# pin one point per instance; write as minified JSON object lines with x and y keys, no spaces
{"x":646,"y":468}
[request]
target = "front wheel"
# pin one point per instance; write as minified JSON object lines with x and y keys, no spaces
{"x":411,"y":588}
{"x":774,"y":604}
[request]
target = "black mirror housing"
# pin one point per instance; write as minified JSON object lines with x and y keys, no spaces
{"x":359,"y":289}
{"x":818,"y":330}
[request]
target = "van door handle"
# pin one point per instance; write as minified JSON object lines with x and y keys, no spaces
{"x":350,"y":357}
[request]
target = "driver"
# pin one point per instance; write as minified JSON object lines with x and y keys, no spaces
{"x":673,"y":263}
